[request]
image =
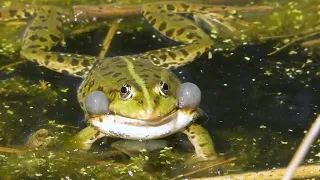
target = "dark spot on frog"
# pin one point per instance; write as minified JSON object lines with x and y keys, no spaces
{"x":163,"y":57}
{"x":85,"y":63}
{"x":12,"y":12}
{"x":74,"y":62}
{"x":192,"y":27}
{"x":140,"y":102}
{"x":146,"y":13}
{"x":60,"y":59}
{"x":54,"y":38}
{"x":179,"y":19}
{"x":47,"y":59}
{"x":121,"y":79}
{"x":162,"y":26}
{"x":34,"y":46}
{"x":156,"y":61}
{"x":156,"y":76}
{"x":193,"y":35}
{"x":150,"y":18}
{"x":115,"y":75}
{"x":184,"y":52}
{"x":59,"y":19}
{"x":170,"y":32}
{"x":33,"y":28}
{"x":170,"y":7}
{"x":121,"y":65}
{"x":165,"y":65}
{"x":145,"y":70}
{"x":144,"y":76}
{"x":100,"y":88}
{"x":42,"y":39}
{"x":80,"y":73}
{"x":156,"y":101}
{"x":153,"y":21}
{"x":98,"y":132}
{"x":65,"y":72}
{"x":34,"y":37}
{"x":59,"y":28}
{"x":185,"y":6}
{"x":203,"y":144}
{"x":180,"y":31}
{"x":172,"y":55}
{"x":104,"y":68}
{"x":108,"y":73}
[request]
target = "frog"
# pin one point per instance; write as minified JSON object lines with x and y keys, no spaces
{"x":134,"y":97}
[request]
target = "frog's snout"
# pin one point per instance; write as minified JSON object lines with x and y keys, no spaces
{"x":97,"y":103}
{"x":189,"y":96}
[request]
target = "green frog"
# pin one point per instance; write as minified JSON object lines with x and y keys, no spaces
{"x":131,"y":97}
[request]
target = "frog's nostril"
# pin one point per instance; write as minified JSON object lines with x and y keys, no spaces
{"x":140,"y":102}
{"x":189,"y":96}
{"x":97,"y":103}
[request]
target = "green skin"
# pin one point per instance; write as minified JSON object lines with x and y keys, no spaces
{"x":110,"y":74}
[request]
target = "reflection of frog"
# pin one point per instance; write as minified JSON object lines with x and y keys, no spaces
{"x":130,"y":97}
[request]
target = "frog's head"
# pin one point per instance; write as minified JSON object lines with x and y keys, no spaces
{"x":124,"y":95}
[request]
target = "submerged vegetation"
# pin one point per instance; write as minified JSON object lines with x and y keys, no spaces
{"x":37,"y":101}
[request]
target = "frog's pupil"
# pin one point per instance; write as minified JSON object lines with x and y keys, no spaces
{"x":124,"y":90}
{"x":165,"y":87}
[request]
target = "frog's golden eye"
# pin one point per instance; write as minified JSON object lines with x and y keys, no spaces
{"x":126,"y":92}
{"x":164,"y":88}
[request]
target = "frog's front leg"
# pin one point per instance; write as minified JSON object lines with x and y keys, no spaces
{"x":201,"y":140}
{"x":44,"y":32}
{"x":84,"y":139}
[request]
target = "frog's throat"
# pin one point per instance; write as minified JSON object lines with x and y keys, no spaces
{"x":126,"y":128}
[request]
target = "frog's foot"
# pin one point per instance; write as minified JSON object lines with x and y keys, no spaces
{"x":84,"y":139}
{"x":201,"y":140}
{"x":38,"y":140}
{"x":217,"y":23}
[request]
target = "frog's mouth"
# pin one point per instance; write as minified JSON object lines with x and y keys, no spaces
{"x":128,"y":128}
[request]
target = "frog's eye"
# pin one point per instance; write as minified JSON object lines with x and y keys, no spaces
{"x":126,"y":92}
{"x":164,"y":89}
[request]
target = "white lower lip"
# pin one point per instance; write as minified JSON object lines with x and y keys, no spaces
{"x":110,"y":125}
